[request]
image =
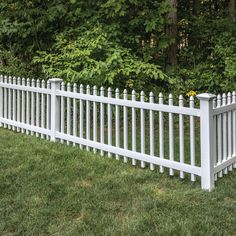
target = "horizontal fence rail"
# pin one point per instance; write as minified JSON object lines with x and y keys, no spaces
{"x":149,"y":131}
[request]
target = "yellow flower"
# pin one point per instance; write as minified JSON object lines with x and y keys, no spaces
{"x":191,"y":93}
{"x":130,"y":83}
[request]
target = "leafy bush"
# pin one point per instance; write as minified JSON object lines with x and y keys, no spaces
{"x":93,"y":56}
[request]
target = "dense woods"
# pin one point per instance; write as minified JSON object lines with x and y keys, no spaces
{"x":153,"y":45}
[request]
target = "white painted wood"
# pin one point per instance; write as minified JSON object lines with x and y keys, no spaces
{"x":25,"y":126}
{"x":88,"y":117}
{"x":23,"y":110}
{"x":117,"y":96}
{"x":20,"y":110}
{"x":181,"y":135}
{"x":151,"y":129}
{"x":10,"y":102}
{"x":206,"y":129}
{"x":219,"y":136}
{"x":171,"y":134}
{"x":230,"y":161}
{"x":136,"y":155}
{"x":95,"y":122}
{"x":62,"y":111}
{"x":102,"y":120}
{"x":5,"y":91}
{"x":55,"y":107}
{"x":81,"y":115}
{"x":32,"y":117}
{"x":234,"y":126}
{"x":223,"y":109}
{"x":43,"y":108}
{"x":1,"y":100}
{"x":224,"y":133}
{"x":161,"y":132}
{"x":137,"y":104}
{"x":48,"y":107}
{"x":134,"y":127}
{"x":24,"y":88}
{"x":14,"y":103}
{"x":109,"y":120}
{"x":68,"y":112}
{"x":142,"y":126}
{"x":229,"y":122}
{"x":18,"y":107}
{"x":192,"y":138}
{"x":214,"y":137}
{"x":37,"y":107}
{"x":125,"y":124}
{"x":28,"y":105}
{"x":75,"y":126}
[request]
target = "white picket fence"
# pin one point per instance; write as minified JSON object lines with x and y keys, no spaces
{"x":141,"y":132}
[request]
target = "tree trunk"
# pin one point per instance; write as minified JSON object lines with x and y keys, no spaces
{"x":172,"y":31}
{"x":232,"y":10}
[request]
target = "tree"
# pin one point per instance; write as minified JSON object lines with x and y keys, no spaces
{"x":172,"y":32}
{"x":232,"y":10}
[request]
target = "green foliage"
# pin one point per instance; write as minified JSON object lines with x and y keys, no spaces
{"x":208,"y":61}
{"x":120,"y":43}
{"x":94,"y":56}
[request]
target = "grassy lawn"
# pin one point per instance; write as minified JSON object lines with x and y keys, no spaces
{"x":52,"y":189}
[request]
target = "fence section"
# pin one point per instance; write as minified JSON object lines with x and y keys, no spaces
{"x":133,"y":127}
{"x":224,"y":114}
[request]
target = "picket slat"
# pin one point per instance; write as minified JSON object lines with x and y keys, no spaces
{"x":234,"y":126}
{"x":68,"y":114}
{"x":37,"y":107}
{"x":102,"y":120}
{"x":32,"y":118}
{"x":151,"y":129}
{"x":192,"y":138}
{"x":48,"y":108}
{"x":5,"y":91}
{"x":95,"y":122}
{"x":181,"y":135}
{"x":23,"y":107}
{"x":109,"y":120}
{"x":75,"y":113}
{"x":81,"y":115}
{"x":14,"y":103}
{"x":229,"y":121}
{"x":87,"y":117}
{"x":133,"y":127}
{"x":27,"y":105}
{"x":161,"y":132}
{"x":117,"y":95}
{"x":43,"y":108}
{"x":125,"y":124}
{"x":215,"y":137}
{"x":171,"y":134}
{"x":225,"y":171}
{"x":18,"y":107}
{"x":9,"y":102}
{"x":142,"y":131}
{"x":62,"y":111}
{"x":1,"y":100}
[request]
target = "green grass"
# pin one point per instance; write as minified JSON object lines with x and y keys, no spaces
{"x":53,"y":189}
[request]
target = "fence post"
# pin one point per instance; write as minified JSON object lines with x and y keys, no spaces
{"x":207,"y":140}
{"x":55,"y":107}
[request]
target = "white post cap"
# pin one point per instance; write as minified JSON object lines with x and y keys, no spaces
{"x":55,"y":80}
{"x":206,"y":96}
